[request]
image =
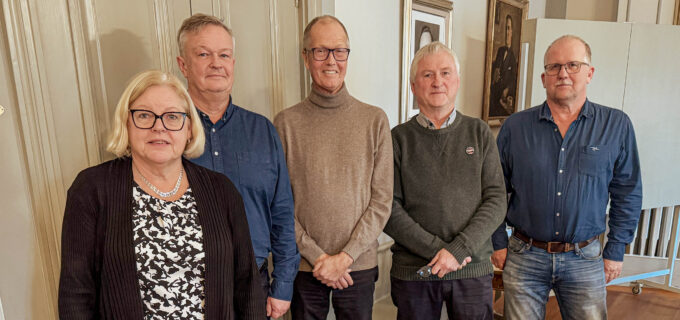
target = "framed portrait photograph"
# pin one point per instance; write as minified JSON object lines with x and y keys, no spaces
{"x":424,"y":21}
{"x":503,"y":52}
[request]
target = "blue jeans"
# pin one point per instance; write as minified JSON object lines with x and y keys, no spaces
{"x":576,"y":277}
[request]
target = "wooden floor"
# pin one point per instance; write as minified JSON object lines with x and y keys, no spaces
{"x":622,"y":304}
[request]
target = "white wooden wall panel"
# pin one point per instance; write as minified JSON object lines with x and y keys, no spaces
{"x":88,"y":72}
{"x":35,"y":95}
{"x":47,"y":74}
{"x":252,"y":74}
{"x":651,"y":101}
{"x":203,"y":6}
{"x":645,"y":11}
{"x":600,"y":10}
{"x":665,"y":12}
{"x":609,"y":43}
{"x":61,"y":86}
{"x":373,"y":74}
{"x":289,"y":46}
{"x":23,"y":288}
{"x":636,"y":69}
{"x":126,"y":34}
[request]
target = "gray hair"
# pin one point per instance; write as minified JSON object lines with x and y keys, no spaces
{"x":324,"y":18}
{"x":573,"y":37}
{"x":431,"y":48}
{"x":197,"y":22}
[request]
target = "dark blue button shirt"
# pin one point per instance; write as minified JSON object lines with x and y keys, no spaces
{"x":559,"y":187}
{"x":246,"y":148}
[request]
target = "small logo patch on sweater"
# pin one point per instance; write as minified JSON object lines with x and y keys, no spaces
{"x":470,"y":150}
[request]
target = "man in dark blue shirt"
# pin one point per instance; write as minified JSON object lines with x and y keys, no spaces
{"x":563,"y":162}
{"x":245,"y":147}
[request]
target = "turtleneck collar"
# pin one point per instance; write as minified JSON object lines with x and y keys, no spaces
{"x":329,"y":101}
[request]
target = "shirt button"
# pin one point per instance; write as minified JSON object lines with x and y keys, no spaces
{"x":217,"y":153}
{"x":557,"y":233}
{"x":557,"y":214}
{"x":560,"y":170}
{"x":555,"y":129}
{"x":213,"y":129}
{"x":558,"y":194}
{"x":562,"y":149}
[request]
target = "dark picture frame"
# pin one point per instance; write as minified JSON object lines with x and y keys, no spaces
{"x":503,"y":53}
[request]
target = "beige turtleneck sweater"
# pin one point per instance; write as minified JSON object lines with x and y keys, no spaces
{"x":339,"y":155}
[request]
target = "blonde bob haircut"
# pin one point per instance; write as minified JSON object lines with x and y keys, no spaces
{"x":119,"y":142}
{"x":431,"y":48}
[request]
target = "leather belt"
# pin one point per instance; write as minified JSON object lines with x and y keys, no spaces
{"x":552,"y":247}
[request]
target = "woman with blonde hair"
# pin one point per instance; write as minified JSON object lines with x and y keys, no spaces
{"x":149,"y":234}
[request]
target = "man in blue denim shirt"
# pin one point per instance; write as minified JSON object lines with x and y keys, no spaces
{"x":563,"y":162}
{"x":245,"y":147}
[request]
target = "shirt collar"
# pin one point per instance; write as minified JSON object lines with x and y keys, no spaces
{"x":545,"y":114}
{"x":227,"y":113}
{"x":426,"y":123}
{"x":587,"y":110}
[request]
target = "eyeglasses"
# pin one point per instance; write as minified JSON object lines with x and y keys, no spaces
{"x":554,"y":69}
{"x":145,"y":119}
{"x":321,"y":54}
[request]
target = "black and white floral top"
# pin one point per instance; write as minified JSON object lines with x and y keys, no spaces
{"x":170,"y":258}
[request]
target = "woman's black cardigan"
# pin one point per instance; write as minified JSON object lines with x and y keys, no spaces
{"x":98,"y":271}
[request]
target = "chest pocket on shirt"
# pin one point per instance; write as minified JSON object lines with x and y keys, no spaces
{"x":256,"y":172}
{"x":593,"y":160}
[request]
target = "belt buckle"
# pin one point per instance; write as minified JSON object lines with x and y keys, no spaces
{"x":549,"y":248}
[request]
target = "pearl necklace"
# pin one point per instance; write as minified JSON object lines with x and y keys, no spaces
{"x":161,"y":193}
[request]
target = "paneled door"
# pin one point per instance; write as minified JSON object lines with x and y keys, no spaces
{"x":268,"y":63}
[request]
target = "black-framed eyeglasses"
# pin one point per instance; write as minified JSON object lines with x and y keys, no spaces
{"x":321,"y":54}
{"x":145,"y":119}
{"x":554,"y":69}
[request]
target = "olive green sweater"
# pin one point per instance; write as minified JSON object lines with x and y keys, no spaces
{"x":449,"y":193}
{"x":339,"y":156}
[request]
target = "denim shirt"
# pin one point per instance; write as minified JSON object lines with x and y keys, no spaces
{"x":246,"y":148}
{"x":559,"y":187}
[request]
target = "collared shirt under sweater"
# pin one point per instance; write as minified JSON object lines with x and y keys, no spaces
{"x":448,"y":194}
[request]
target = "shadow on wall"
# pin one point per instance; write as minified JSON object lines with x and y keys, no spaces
{"x":123,"y":55}
{"x":472,"y":77}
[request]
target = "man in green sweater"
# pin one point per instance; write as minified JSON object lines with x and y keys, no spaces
{"x":339,"y":156}
{"x":449,"y":197}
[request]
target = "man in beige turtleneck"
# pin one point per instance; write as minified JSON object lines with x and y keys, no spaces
{"x":339,"y":155}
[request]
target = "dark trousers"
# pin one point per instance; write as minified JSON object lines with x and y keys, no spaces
{"x":464,"y":298}
{"x":311,"y":297}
